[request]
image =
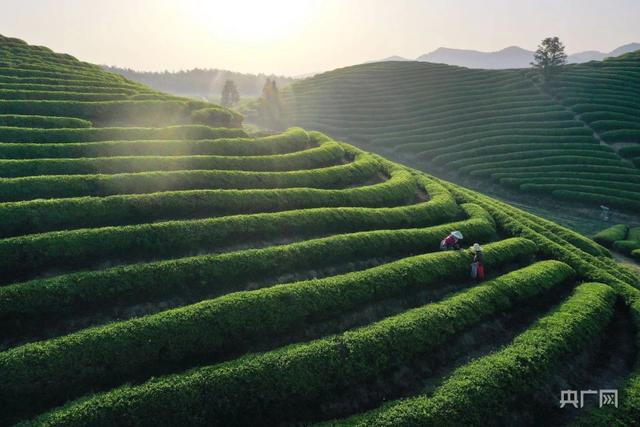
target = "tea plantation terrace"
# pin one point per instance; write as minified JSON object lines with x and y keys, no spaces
{"x":194,"y":275}
{"x":576,"y":139}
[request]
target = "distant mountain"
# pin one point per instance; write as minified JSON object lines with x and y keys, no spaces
{"x":625,"y":49}
{"x":586,"y":56}
{"x":511,"y":57}
{"x":201,"y":83}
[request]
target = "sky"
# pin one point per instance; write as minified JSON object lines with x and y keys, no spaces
{"x":295,"y":37}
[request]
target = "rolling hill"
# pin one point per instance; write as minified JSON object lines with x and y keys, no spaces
{"x":491,"y":126}
{"x":196,"y":275}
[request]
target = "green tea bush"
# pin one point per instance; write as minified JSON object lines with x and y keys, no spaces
{"x":82,"y":88}
{"x":27,"y":255}
{"x":612,"y":234}
{"x":631,"y":183}
{"x":632,"y":195}
{"x":30,"y":135}
{"x":622,"y":135}
{"x":626,"y":246}
{"x":328,"y":154}
{"x":61,"y":96}
{"x":552,"y":240}
{"x":483,"y":389}
{"x":267,"y":386}
{"x":29,"y":303}
{"x":630,"y":151}
{"x":215,"y":116}
{"x":38,"y":216}
{"x":43,"y":122}
{"x":191,"y":142}
{"x":59,"y":186}
{"x":634,"y":234}
{"x":281,"y":309}
{"x":106,"y":113}
{"x":600,"y":198}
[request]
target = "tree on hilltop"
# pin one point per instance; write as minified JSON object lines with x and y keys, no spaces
{"x":230,"y":95}
{"x":549,"y":57}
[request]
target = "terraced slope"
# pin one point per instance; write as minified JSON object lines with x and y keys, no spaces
{"x":605,"y":96}
{"x":289,"y":279}
{"x":488,"y":125}
{"x":40,"y":89}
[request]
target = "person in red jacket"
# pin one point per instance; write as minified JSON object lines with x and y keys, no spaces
{"x":452,"y":241}
{"x":477,"y":266}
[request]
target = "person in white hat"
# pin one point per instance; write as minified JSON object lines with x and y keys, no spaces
{"x":452,"y":241}
{"x":477,"y":266}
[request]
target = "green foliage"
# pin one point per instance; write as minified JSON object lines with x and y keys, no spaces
{"x":634,"y":234}
{"x":26,"y":304}
{"x":43,"y":122}
{"x":630,"y":151}
{"x":486,"y":388}
{"x":609,"y":200}
{"x":31,"y":135}
{"x":610,"y":235}
{"x":485,"y":122}
{"x":626,"y":246}
{"x":549,"y":57}
{"x":150,"y":287}
{"x":328,"y":154}
{"x":25,"y":256}
{"x":557,"y":242}
{"x":216,"y":117}
{"x":256,"y":388}
{"x":109,"y":113}
{"x":60,"y":96}
{"x":191,"y":140}
{"x":213,"y":327}
{"x":60,"y":186}
{"x":56,"y":214}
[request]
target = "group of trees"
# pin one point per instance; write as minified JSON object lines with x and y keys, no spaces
{"x":268,"y":108}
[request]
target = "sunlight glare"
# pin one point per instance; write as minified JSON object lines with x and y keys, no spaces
{"x":250,"y":21}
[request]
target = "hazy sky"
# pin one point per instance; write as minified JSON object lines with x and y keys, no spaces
{"x":302,"y":36}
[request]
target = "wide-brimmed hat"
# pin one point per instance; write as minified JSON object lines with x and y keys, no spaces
{"x":457,"y":234}
{"x":476,"y":247}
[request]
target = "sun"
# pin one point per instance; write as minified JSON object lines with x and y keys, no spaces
{"x":252,"y":21}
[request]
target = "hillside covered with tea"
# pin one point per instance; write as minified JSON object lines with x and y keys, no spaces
{"x":575,"y":139}
{"x":159,"y":266}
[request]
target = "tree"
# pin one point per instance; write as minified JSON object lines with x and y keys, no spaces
{"x":549,"y":57}
{"x":230,"y":95}
{"x":270,"y":106}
